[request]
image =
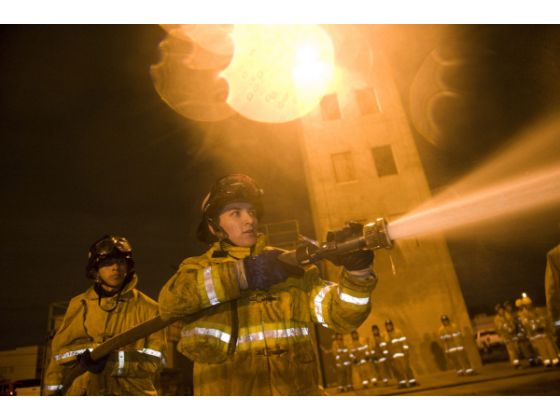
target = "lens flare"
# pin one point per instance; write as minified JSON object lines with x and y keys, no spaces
{"x":278,"y":73}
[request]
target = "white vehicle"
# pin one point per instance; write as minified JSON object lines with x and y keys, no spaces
{"x":488,"y":339}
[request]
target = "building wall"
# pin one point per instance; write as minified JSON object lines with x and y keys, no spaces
{"x":19,"y":363}
{"x":417,"y":280}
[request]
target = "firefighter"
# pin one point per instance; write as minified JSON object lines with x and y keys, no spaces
{"x":359,"y":353}
{"x":454,"y":347}
{"x":552,"y":289}
{"x":379,"y":356}
{"x":535,"y":325}
{"x":525,"y":349}
{"x":505,"y":327}
{"x":398,"y":352}
{"x":343,"y":364}
{"x":254,"y":337}
{"x":110,"y":306}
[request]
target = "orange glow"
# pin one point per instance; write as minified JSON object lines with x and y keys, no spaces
{"x":278,"y":72}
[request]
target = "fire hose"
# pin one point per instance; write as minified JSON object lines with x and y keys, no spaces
{"x":370,"y":236}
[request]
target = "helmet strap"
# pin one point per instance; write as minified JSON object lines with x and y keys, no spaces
{"x":217,"y":230}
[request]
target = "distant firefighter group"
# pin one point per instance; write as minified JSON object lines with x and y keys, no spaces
{"x":526,"y":334}
{"x":384,"y":356}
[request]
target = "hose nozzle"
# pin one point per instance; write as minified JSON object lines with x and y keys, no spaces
{"x":376,"y":235}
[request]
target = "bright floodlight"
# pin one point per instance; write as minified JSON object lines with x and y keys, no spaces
{"x":278,"y":72}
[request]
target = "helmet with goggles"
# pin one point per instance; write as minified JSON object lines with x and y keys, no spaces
{"x":235,"y":188}
{"x":108,"y":247}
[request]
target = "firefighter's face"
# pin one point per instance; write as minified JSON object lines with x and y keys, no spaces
{"x":113,"y":271}
{"x":239,"y":221}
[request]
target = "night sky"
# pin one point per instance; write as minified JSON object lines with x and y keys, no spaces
{"x":89,"y":148}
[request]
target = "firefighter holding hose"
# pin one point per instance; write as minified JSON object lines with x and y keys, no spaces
{"x":255,"y":338}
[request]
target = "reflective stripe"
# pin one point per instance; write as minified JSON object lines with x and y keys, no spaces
{"x":445,"y":337}
{"x":209,"y":285}
{"x":456,"y":334}
{"x":557,"y":323}
{"x":396,"y":340}
{"x":219,"y":334}
{"x":362,"y":347}
{"x":261,"y":335}
{"x":318,"y":303}
{"x":345,"y":297}
{"x":150,"y":352}
{"x":383,"y":344}
{"x":53,"y":387}
{"x":382,"y":359}
{"x":120,"y":367}
{"x":398,"y":355}
{"x":70,"y":354}
{"x":342,"y":350}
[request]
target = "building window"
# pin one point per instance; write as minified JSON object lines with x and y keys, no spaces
{"x":343,"y":167}
{"x":329,"y":108}
{"x":384,"y":160}
{"x":367,"y":101}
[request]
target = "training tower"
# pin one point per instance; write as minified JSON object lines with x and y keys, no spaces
{"x":361,"y":162}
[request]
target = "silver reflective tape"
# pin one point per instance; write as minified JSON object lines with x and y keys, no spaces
{"x":557,"y":323}
{"x":396,"y":355}
{"x":258,"y":336}
{"x":456,"y":334}
{"x":219,"y":334}
{"x":362,"y":347}
{"x":209,"y":285}
{"x":445,"y":337}
{"x":382,"y":359}
{"x":261,"y":335}
{"x":353,"y":300}
{"x":53,"y":387}
{"x":121,"y":360}
{"x":318,"y":303}
{"x":398,"y":340}
{"x":383,"y":344}
{"x":150,"y":352}
{"x":70,"y":354}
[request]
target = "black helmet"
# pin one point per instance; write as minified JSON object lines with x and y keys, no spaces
{"x":374,"y":328}
{"x":444,"y":318}
{"x":229,"y":189}
{"x":109,"y":246}
{"x":388,"y":323}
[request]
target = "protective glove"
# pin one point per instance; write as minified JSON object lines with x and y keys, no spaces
{"x":355,"y":260}
{"x":93,"y":366}
{"x":265,"y":270}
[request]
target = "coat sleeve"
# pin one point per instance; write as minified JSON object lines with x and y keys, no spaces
{"x":199,"y":284}
{"x":155,"y":345}
{"x":65,"y":346}
{"x":342,"y":306}
{"x":552,"y":286}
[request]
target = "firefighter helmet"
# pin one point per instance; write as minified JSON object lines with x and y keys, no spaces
{"x":526,"y":300}
{"x":388,"y":325}
{"x":109,"y":246}
{"x":229,"y":189}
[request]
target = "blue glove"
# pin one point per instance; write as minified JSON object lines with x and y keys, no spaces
{"x":93,"y":366}
{"x":266,"y":270}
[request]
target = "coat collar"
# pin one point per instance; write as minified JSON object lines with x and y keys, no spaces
{"x":238,"y":252}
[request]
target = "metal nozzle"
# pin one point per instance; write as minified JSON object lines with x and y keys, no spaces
{"x":376,"y":235}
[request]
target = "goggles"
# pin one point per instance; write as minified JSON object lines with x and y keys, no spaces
{"x":108,"y":245}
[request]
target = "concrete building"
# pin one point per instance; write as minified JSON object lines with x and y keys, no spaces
{"x":361,"y":162}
